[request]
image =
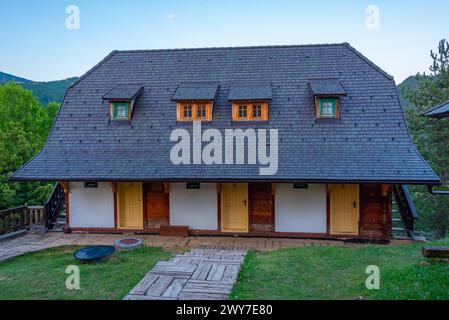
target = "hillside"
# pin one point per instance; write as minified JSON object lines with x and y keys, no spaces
{"x":409,"y":82}
{"x":45,"y":91}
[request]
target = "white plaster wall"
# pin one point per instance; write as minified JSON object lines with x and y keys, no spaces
{"x":196,"y":208}
{"x":300,"y":210}
{"x":91,"y":207}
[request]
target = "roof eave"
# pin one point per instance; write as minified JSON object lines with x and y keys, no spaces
{"x":274,"y":180}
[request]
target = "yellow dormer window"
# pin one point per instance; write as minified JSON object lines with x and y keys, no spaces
{"x":250,"y":110}
{"x":194,"y":110}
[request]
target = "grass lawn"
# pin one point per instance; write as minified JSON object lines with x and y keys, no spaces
{"x":41,"y":275}
{"x":339,"y":273}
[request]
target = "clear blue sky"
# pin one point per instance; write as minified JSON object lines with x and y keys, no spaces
{"x":35,"y":43}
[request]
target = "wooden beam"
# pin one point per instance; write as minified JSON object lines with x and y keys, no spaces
{"x":113,"y":187}
{"x":385,"y":189}
{"x":65,"y":186}
{"x":273,"y":189}
{"x":435,"y":252}
{"x":218,"y":185}
{"x":166,"y":187}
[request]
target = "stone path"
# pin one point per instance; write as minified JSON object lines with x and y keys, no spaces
{"x":38,"y":241}
{"x":200,"y":274}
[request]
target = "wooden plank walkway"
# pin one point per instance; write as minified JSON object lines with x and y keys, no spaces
{"x":200,"y":274}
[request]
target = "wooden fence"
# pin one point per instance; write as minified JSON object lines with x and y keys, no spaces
{"x":22,"y":217}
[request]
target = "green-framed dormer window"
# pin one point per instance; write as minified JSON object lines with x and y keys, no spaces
{"x":120,"y":110}
{"x":328,"y":107}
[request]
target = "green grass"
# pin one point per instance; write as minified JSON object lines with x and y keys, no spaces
{"x":339,"y":273}
{"x":41,"y":275}
{"x":295,"y":273}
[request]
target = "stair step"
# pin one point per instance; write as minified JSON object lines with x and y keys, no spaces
{"x":397,"y":220}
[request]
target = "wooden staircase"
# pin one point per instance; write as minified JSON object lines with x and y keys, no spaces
{"x":55,"y":210}
{"x":404,"y":214}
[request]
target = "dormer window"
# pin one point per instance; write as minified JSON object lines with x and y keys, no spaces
{"x":250,"y":102}
{"x":122,"y":100}
{"x":194,"y":110}
{"x":328,"y":107}
{"x":120,"y":110}
{"x":326,"y":97}
{"x":250,"y":110}
{"x":195,"y":101}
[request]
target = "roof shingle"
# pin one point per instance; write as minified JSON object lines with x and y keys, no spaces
{"x":439,"y":111}
{"x":369,"y":143}
{"x":123,"y":92}
{"x":250,"y":92}
{"x":326,"y":87}
{"x":195,"y":91}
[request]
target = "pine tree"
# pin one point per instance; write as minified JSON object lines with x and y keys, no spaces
{"x":432,"y":136}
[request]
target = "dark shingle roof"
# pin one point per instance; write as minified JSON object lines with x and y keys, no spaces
{"x":123,"y":92}
{"x":440,"y":111}
{"x":196,"y":91}
{"x":369,"y":143}
{"x":250,"y":92}
{"x":326,"y":87}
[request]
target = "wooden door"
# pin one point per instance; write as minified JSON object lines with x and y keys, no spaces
{"x":261,"y":207}
{"x":234,"y":207}
{"x":129,"y":203}
{"x":344,"y":209}
{"x":156,"y":205}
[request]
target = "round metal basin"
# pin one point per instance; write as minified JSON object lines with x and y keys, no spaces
{"x":93,"y":253}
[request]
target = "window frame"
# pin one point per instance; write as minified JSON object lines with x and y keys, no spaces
{"x":180,"y":105}
{"x":112,"y":106}
{"x":198,"y":116}
{"x":318,"y":107}
{"x":187,"y":109}
{"x":250,"y":105}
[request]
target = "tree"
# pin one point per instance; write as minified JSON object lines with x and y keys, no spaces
{"x":24,"y":126}
{"x":432,"y":136}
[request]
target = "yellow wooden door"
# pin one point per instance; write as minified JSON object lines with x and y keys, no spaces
{"x":130,"y":207}
{"x":234,"y":207}
{"x":344,"y":209}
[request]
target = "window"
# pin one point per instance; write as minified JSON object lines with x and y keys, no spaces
{"x":187,"y":112}
{"x":250,"y":110}
{"x":201,"y":112}
{"x":90,"y":184}
{"x":120,"y":110}
{"x":328,"y":107}
{"x":192,"y":110}
{"x":243,"y":112}
{"x":257,"y":111}
{"x":193,"y":185}
{"x":300,"y":186}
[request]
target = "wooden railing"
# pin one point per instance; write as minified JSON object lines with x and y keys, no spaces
{"x":52,"y":204}
{"x":21,"y":217}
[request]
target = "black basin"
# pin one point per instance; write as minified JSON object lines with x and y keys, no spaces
{"x":93,"y":253}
